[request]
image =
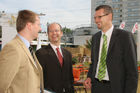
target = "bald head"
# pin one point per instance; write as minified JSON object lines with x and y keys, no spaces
{"x":52,"y":24}
{"x":55,"y":33}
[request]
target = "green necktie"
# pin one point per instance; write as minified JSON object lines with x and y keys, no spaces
{"x":102,"y":65}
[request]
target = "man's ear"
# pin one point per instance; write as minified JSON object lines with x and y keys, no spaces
{"x":110,"y":16}
{"x":62,"y":33}
{"x":28,"y":25}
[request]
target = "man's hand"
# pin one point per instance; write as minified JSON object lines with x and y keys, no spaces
{"x":87,"y":83}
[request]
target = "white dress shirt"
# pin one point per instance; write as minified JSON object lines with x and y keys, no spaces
{"x":54,"y":48}
{"x":108,"y":34}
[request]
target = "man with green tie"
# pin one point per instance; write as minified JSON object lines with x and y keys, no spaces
{"x":113,"y":56}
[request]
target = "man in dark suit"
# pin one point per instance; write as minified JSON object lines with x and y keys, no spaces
{"x":57,"y":67}
{"x":113,"y":55}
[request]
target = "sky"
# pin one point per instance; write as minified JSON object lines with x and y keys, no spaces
{"x":69,"y":13}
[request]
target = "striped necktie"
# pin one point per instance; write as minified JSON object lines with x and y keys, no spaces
{"x":31,"y":51}
{"x":102,"y":65}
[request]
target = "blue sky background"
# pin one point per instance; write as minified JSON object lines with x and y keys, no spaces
{"x":69,"y":13}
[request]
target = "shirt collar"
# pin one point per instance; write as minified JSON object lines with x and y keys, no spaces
{"x":26,"y":42}
{"x":109,"y":32}
{"x":54,"y":46}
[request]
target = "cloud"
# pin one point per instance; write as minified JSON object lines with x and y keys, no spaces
{"x":69,"y":13}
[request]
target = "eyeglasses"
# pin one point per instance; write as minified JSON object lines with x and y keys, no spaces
{"x":99,"y":17}
{"x":51,"y":31}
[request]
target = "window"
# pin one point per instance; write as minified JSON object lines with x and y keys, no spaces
{"x":133,"y":15}
{"x":133,"y":10}
{"x":116,"y":0}
{"x":133,"y":4}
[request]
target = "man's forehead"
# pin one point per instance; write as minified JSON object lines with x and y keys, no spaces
{"x":37,"y":18}
{"x":54,"y":25}
{"x":99,"y":12}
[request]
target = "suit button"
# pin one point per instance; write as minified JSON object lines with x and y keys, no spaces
{"x":38,"y":87}
{"x":37,"y":74}
{"x":63,"y":89}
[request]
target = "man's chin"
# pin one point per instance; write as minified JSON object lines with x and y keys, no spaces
{"x":54,"y":41}
{"x":98,"y":27}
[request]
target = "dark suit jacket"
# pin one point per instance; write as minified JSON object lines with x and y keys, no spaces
{"x":121,"y":61}
{"x":56,"y":77}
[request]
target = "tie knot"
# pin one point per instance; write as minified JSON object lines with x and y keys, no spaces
{"x":30,"y":48}
{"x":105,"y":37}
{"x":57,"y":48}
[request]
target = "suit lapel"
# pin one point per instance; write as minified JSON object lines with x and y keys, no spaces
{"x":97,"y":46}
{"x":53,"y":55}
{"x":112,"y":40}
{"x":40,"y":72}
{"x":64,"y":56}
{"x":26,"y":51}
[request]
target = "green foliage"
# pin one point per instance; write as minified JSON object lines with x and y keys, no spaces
{"x":88,"y":44}
{"x":67,"y":31}
{"x":86,"y":64}
{"x":138,"y":63}
{"x":74,"y":60}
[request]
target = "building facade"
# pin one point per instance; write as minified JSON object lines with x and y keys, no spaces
{"x":8,"y":26}
{"x":127,"y":11}
{"x":81,"y":35}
